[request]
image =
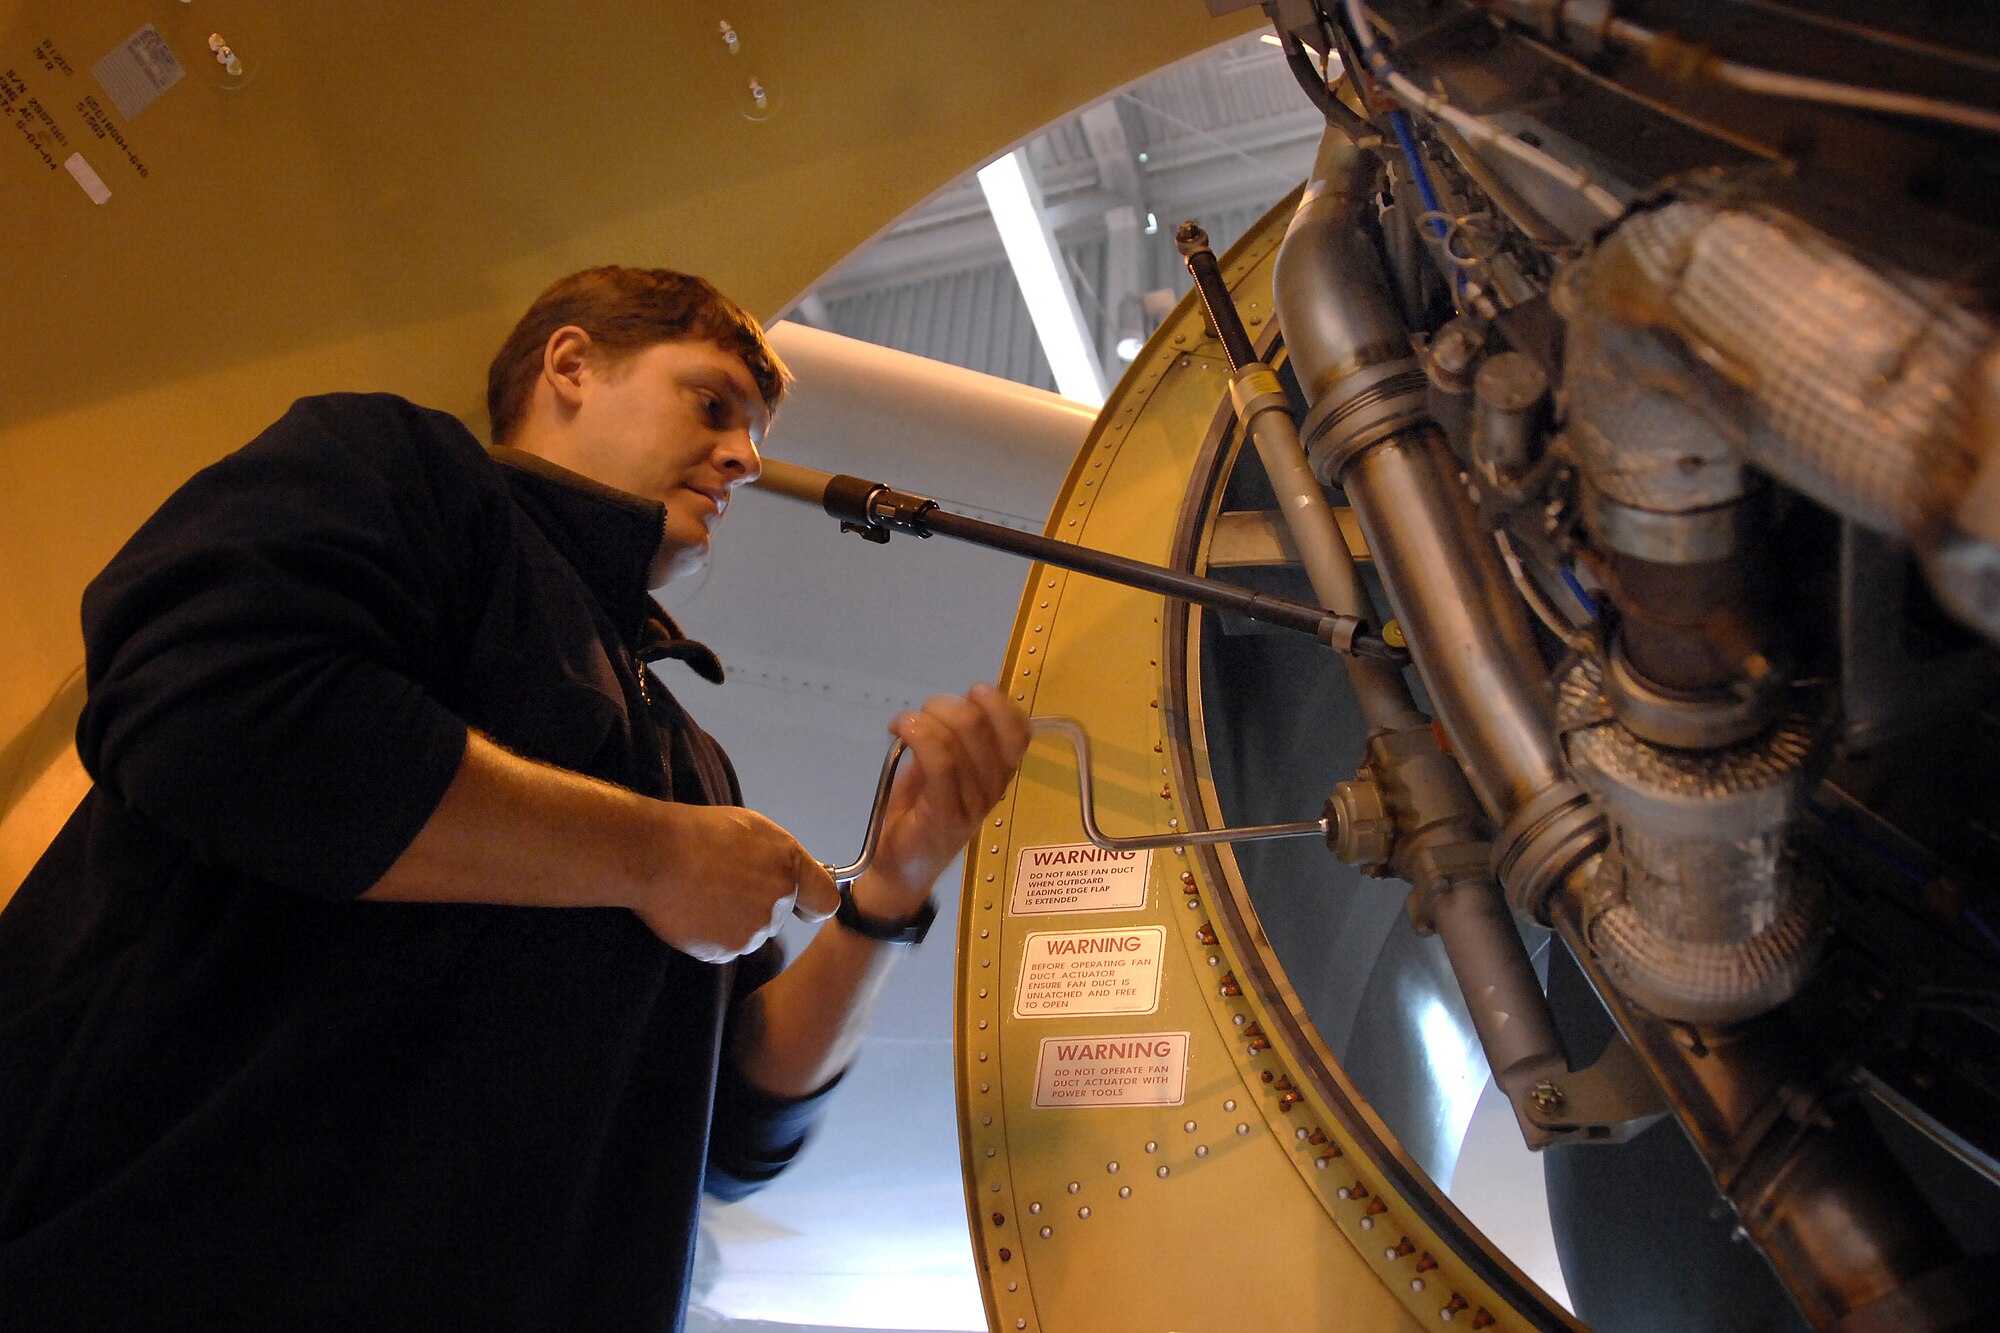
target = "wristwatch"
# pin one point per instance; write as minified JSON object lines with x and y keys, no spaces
{"x":911,"y":931}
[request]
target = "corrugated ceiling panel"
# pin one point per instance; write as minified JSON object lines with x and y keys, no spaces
{"x":1230,"y":87}
{"x":974,"y":318}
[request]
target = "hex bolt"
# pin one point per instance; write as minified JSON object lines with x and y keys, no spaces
{"x":1547,"y":1097}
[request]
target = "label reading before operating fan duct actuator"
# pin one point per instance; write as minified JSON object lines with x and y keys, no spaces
{"x":1071,"y":973}
{"x":1130,"y":1069}
{"x":1077,"y":877}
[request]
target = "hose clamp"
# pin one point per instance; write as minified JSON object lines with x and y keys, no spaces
{"x":1364,"y":408}
{"x":1258,"y":389}
{"x":1684,"y":537}
{"x":1542,"y":842}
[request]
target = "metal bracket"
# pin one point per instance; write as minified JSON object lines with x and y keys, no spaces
{"x":1609,"y":1101}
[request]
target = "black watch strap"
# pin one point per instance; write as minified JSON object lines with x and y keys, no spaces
{"x":911,"y":931}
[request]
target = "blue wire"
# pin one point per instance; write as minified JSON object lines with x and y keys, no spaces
{"x":1833,"y":818}
{"x":1400,"y":122}
{"x":1569,"y":580}
{"x":1841,"y":824}
{"x":1979,"y":924}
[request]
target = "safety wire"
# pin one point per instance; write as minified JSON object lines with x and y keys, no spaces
{"x":1475,"y":129}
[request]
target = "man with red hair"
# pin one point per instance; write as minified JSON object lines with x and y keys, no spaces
{"x":410,"y":964}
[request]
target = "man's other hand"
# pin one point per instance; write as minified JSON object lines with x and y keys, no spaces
{"x":963,"y":751}
{"x":726,"y":879}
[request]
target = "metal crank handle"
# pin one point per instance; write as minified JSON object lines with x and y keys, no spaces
{"x":847,"y":874}
{"x":1072,"y":731}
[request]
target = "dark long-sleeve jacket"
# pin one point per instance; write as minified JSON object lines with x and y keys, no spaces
{"x":233,"y":1096}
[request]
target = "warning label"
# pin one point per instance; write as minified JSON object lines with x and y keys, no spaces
{"x":1139,"y":1069}
{"x":1076,"y":972}
{"x":1078,"y":877}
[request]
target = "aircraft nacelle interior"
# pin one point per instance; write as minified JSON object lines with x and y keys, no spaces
{"x":1624,"y":386}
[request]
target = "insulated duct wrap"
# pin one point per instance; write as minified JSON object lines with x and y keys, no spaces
{"x":1848,"y":383}
{"x":1697,"y":908}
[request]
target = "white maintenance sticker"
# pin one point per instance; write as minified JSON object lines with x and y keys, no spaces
{"x":1139,"y":1069}
{"x":138,"y":70}
{"x":92,"y":183}
{"x":1077,"y":877}
{"x":1069,"y":973}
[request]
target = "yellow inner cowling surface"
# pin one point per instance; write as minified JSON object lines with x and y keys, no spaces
{"x":376,"y":195}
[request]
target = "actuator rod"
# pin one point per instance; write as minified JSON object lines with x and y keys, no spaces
{"x":1264,"y":409}
{"x":874,"y":510}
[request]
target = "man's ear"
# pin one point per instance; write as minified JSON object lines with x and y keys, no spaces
{"x":564,"y":358}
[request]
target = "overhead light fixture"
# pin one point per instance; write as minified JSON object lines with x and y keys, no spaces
{"x":1031,"y":250}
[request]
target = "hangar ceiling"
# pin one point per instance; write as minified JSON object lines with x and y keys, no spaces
{"x":1219,"y":138}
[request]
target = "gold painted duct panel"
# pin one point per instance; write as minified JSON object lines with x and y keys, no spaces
{"x":1150,"y":1141}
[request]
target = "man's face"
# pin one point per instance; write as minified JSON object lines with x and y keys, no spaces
{"x":676,"y":422}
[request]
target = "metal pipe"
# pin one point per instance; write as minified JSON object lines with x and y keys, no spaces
{"x":1452,"y":594}
{"x":1816,"y":1190}
{"x":1379,"y":687}
{"x":1369,"y":430}
{"x":1461,"y":901}
{"x":1812,"y":1184}
{"x":1502,"y":994}
{"x":1333,"y":300}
